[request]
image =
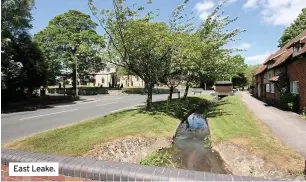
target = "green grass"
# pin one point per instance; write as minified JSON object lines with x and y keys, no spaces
{"x":230,"y":121}
{"x":78,"y":139}
{"x":230,"y":118}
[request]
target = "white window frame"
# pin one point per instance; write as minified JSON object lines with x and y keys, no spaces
{"x":268,"y":88}
{"x":294,"y":87}
{"x":272,"y":88}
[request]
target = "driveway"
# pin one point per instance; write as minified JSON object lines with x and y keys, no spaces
{"x":287,"y":126}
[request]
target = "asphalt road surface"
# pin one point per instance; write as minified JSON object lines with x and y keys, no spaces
{"x":21,"y":124}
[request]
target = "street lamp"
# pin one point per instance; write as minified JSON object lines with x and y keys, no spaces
{"x":76,"y":75}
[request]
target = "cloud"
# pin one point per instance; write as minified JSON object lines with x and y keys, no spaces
{"x":277,"y":12}
{"x":203,"y":8}
{"x":250,"y":4}
{"x":257,"y":59}
{"x":244,"y":46}
{"x":232,"y":1}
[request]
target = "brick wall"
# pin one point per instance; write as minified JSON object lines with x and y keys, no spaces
{"x":5,"y":177}
{"x":297,"y":72}
{"x":71,"y":169}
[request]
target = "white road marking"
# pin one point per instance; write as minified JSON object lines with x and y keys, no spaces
{"x":48,"y":114}
{"x":107,"y":104}
{"x":79,"y":103}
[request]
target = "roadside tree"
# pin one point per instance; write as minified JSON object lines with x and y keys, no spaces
{"x":70,"y":43}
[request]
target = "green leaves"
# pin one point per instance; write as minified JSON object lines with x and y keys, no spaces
{"x":70,"y":36}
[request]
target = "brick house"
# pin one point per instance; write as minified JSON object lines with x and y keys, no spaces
{"x":289,"y":63}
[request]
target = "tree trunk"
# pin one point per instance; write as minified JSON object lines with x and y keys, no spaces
{"x":186,"y":90}
{"x":149,"y":96}
{"x":74,"y":82}
{"x":170,"y":94}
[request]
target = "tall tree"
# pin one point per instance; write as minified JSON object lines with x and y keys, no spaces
{"x":134,"y":42}
{"x":70,"y":43}
{"x":210,"y":57}
{"x":22,"y":66}
{"x":298,"y":26}
{"x":178,"y":58}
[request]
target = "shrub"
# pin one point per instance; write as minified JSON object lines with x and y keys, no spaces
{"x":82,"y":91}
{"x":158,"y":158}
{"x":288,"y":101}
{"x":139,"y":90}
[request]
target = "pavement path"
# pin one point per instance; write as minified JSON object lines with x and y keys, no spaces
{"x":287,"y":126}
{"x":21,"y":124}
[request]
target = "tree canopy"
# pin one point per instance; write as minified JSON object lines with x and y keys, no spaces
{"x":298,"y":26}
{"x":69,"y":39}
{"x":172,"y":52}
{"x":23,"y":66}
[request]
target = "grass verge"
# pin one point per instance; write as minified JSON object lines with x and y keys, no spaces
{"x":230,"y":121}
{"x":78,"y":139}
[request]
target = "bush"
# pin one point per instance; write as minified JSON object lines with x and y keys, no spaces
{"x":289,"y":101}
{"x":82,"y":91}
{"x":143,"y":91}
{"x":158,"y":158}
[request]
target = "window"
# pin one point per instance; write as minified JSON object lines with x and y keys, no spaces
{"x":296,"y":49}
{"x":270,"y":65}
{"x":294,"y":87}
{"x":102,"y":80}
{"x":267,"y":87}
{"x":272,"y":88}
{"x":108,"y":70}
{"x":137,"y":78}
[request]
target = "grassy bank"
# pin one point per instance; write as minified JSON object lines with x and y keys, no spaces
{"x":231,"y":122}
{"x":78,"y":139}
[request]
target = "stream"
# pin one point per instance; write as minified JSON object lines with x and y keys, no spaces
{"x":191,"y":148}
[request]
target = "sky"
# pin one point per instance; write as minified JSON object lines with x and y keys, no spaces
{"x":263,"y":20}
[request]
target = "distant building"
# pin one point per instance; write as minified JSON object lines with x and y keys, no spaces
{"x":106,"y":77}
{"x":131,"y":81}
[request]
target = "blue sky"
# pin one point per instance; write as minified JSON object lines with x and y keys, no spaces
{"x":264,"y":20}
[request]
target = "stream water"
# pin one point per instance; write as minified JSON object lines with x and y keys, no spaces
{"x":192,"y":147}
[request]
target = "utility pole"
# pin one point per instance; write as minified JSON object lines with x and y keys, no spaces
{"x":76,"y":75}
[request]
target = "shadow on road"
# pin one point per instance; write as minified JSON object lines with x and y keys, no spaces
{"x":45,"y":102}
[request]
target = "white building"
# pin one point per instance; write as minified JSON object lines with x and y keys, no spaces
{"x":106,"y":76}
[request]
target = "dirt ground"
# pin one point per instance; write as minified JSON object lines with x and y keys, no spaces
{"x":243,"y":162}
{"x":129,"y":149}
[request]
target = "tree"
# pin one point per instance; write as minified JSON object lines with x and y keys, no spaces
{"x":249,"y":73}
{"x":23,"y":66}
{"x":180,"y":32}
{"x":134,"y":42}
{"x":240,"y":80}
{"x":69,"y":41}
{"x":209,"y":56}
{"x":298,"y":26}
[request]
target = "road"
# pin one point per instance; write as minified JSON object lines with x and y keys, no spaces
{"x":21,"y":124}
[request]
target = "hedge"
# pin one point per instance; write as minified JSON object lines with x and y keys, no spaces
{"x":138,"y":90}
{"x":81,"y":91}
